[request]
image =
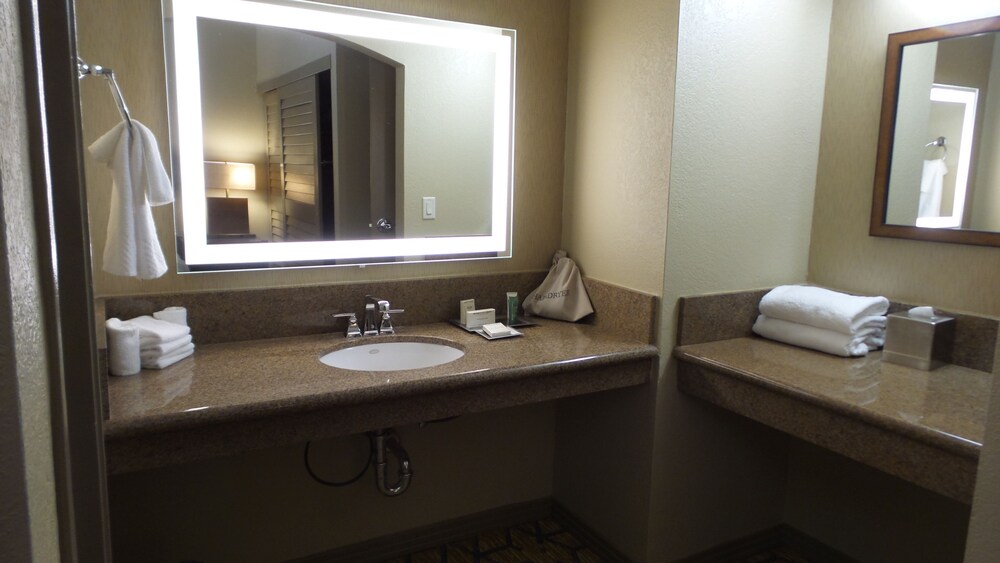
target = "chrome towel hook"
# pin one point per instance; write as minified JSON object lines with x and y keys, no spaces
{"x":83,"y":69}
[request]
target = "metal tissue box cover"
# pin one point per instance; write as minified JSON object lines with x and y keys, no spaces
{"x":918,"y":342}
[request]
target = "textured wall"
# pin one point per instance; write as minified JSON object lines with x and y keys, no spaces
{"x":619,"y":113}
{"x":745,"y":144}
{"x":28,"y":527}
{"x":620,"y":101}
{"x":983,"y":542}
{"x":127,"y":36}
{"x":842,"y":254}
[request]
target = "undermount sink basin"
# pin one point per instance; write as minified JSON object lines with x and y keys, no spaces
{"x":392,"y":356}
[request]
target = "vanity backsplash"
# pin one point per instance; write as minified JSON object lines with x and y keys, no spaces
{"x":227,"y":316}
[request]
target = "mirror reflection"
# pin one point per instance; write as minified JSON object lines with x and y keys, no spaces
{"x":944,"y":100}
{"x":939,"y":150}
{"x":336,"y":135}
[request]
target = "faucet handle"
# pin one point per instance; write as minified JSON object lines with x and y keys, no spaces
{"x":386,"y":326}
{"x":352,"y":324}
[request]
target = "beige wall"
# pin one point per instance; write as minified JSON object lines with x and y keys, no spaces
{"x":620,"y":99}
{"x":619,"y":108}
{"x":745,"y":144}
{"x":983,"y":542}
{"x":842,"y":255}
{"x":28,"y":526}
{"x":127,"y":36}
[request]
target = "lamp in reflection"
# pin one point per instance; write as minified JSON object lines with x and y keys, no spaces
{"x":230,"y":176}
{"x":228,"y":220}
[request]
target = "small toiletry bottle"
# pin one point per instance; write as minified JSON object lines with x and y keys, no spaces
{"x":511,"y":308}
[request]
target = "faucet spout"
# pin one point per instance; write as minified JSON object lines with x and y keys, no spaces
{"x":377,"y":320}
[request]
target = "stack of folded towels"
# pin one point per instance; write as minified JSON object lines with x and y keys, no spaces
{"x":824,"y":320}
{"x":151,"y":342}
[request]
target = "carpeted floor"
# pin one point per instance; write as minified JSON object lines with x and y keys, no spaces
{"x":550,"y":541}
{"x":544,"y":541}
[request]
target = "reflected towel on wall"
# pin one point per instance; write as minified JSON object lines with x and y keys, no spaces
{"x":931,"y":186}
{"x":138,"y":182}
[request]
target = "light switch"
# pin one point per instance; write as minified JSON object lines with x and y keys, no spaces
{"x":430,"y":208}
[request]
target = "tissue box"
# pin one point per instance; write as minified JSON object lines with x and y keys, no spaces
{"x":918,"y":342}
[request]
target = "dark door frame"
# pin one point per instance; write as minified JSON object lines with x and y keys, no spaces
{"x":48,"y":38}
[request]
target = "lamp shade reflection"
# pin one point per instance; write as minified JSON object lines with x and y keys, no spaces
{"x":230,"y":175}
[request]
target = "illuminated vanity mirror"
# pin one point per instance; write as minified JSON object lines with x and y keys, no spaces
{"x":311,"y":134}
{"x":938,"y":168}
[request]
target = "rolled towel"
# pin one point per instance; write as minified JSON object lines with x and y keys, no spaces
{"x":823,"y":340}
{"x":123,"y":347}
{"x":154,"y":331}
{"x":822,"y":308}
{"x":161,"y":362}
{"x":164,"y":348}
{"x":176,"y":315}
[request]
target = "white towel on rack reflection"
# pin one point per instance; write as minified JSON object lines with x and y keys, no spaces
{"x":138,"y":182}
{"x":931,"y":186}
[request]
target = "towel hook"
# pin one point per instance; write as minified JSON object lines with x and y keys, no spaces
{"x":83,"y":69}
{"x":939,"y":142}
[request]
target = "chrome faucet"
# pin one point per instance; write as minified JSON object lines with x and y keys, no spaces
{"x":352,"y":324}
{"x":377,"y":320}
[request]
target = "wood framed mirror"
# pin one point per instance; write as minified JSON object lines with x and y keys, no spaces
{"x":937,"y":173}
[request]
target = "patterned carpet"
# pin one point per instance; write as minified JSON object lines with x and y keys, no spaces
{"x":782,"y":554}
{"x":544,"y":541}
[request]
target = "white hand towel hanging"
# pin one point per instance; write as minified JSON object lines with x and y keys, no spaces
{"x":138,"y":182}
{"x":931,"y":188}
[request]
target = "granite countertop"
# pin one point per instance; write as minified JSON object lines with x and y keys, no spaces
{"x":944,"y":408}
{"x":237,"y":381}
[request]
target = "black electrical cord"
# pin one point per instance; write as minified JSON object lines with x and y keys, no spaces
{"x":320,"y":480}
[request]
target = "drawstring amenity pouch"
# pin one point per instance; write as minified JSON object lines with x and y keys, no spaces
{"x":561,"y":295}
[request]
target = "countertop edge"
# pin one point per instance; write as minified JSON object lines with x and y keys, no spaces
{"x":951,"y":443}
{"x":151,"y":424}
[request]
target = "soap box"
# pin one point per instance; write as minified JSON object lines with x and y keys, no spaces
{"x":480,"y":317}
{"x":918,"y":342}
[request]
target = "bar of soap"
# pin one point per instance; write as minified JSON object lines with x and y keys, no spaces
{"x":496,"y":329}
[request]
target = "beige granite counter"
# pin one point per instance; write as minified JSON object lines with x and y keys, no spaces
{"x":923,"y":426}
{"x":235,"y":396}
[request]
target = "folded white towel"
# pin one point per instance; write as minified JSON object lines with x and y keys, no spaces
{"x":123,"y":347}
{"x":821,"y":339}
{"x":154,"y":331}
{"x":176,"y":315}
{"x":138,"y":182}
{"x":155,"y":350}
{"x":161,"y":362}
{"x":822,"y":308}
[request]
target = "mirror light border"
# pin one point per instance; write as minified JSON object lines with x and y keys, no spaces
{"x":346,"y":22}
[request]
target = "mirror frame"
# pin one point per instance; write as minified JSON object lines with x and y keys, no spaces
{"x":887,"y":128}
{"x":184,"y":70}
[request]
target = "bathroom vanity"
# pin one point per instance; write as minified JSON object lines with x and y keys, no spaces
{"x":925,"y":427}
{"x":240,"y":395}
